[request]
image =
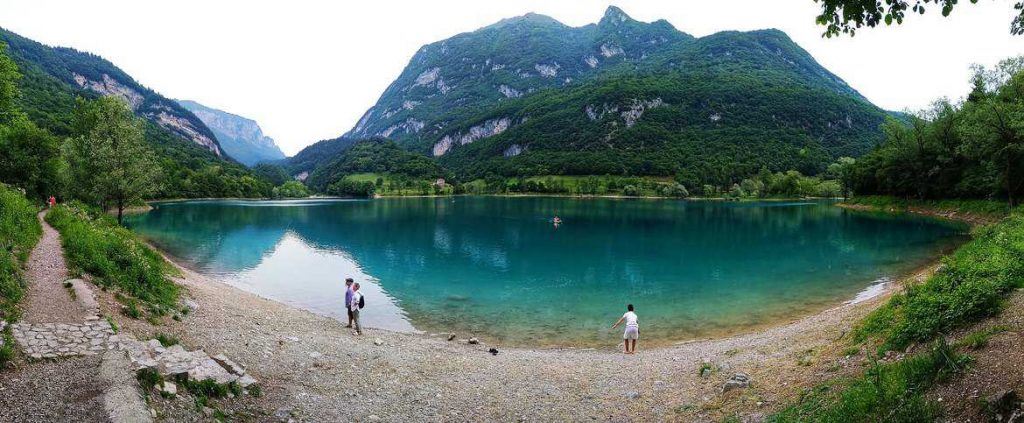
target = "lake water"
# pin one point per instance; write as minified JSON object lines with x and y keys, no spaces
{"x":496,"y":267}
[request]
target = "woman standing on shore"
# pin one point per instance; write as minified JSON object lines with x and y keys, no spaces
{"x":632,"y":333}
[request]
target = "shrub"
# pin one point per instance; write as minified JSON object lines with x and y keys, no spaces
{"x":892,"y":392}
{"x":971,"y":285}
{"x":19,"y":232}
{"x":167,"y":340}
{"x":95,"y":244}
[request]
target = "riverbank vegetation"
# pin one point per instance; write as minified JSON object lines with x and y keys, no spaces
{"x":973,"y":149}
{"x":969,"y":286}
{"x":19,"y":232}
{"x":95,"y":244}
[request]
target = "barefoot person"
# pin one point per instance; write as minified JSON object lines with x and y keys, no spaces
{"x":354,"y":306}
{"x":632,"y":332}
{"x":348,"y":300}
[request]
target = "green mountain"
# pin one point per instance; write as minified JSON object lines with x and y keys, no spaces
{"x":193,"y":162}
{"x":530,"y":95}
{"x":240,"y":137}
{"x":65,"y":72}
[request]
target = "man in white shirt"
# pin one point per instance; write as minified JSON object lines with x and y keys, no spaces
{"x":632,"y":333}
{"x":354,"y":306}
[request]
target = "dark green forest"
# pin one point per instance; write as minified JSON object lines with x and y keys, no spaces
{"x":971,"y":149}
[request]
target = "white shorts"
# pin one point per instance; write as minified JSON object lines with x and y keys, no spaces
{"x":632,"y":332}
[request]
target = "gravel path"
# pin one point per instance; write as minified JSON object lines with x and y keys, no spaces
{"x":53,"y":391}
{"x":63,"y":390}
{"x":47,"y":301}
{"x":312,"y":369}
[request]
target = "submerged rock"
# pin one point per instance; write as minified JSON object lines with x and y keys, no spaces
{"x":473,"y":341}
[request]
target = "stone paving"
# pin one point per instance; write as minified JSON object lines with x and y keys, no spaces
{"x":176,"y":361}
{"x":52,"y":340}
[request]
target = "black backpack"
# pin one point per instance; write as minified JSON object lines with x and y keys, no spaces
{"x":362,"y":301}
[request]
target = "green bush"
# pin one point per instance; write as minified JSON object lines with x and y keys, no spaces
{"x":971,"y":284}
{"x":892,"y":392}
{"x":95,"y":244}
{"x":19,"y":232}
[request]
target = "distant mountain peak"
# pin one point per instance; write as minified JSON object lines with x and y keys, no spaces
{"x":614,"y":16}
{"x":242,"y":138}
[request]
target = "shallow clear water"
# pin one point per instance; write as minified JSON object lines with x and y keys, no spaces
{"x":496,"y":266}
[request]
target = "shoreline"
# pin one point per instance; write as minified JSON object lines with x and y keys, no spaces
{"x":291,"y":350}
{"x":879,"y":289}
{"x":312,"y":368}
{"x":781,"y":319}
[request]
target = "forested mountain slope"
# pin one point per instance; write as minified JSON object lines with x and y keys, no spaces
{"x":530,"y":96}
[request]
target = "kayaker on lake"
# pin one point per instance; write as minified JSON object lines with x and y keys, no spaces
{"x":632,"y":333}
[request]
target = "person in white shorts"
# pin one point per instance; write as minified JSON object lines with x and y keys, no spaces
{"x":632,"y":333}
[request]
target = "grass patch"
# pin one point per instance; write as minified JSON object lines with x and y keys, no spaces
{"x":979,"y":339}
{"x":891,"y":392}
{"x":94,"y":244}
{"x":988,"y":209}
{"x":971,"y":285}
{"x":19,"y":232}
{"x":167,"y":340}
{"x":148,"y":379}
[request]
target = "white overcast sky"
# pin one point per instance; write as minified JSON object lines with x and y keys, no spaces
{"x":307,"y":70}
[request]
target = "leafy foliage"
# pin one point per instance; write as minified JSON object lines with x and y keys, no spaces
{"x":108,"y":159}
{"x":373,"y":156}
{"x":846,"y":16}
{"x":95,"y":244}
{"x":971,"y":285}
{"x":19,"y":232}
{"x":291,"y":189}
{"x":890,"y":392}
{"x":970,"y":150}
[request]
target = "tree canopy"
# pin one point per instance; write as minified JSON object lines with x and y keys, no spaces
{"x":109,"y":160}
{"x":846,"y":16}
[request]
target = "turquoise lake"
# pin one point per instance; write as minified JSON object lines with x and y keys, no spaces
{"x":497,"y":268}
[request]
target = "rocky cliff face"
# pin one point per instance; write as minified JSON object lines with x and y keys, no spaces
{"x":531,"y":96}
{"x":240,"y":137}
{"x":91,"y":75}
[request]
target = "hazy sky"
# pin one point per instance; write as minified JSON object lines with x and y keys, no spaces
{"x":307,"y":70}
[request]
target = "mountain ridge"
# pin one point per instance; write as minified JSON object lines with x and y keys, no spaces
{"x":89,"y":75}
{"x":530,"y":95}
{"x":241,"y":137}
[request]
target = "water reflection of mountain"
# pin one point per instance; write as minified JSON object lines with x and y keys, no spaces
{"x":497,"y":264}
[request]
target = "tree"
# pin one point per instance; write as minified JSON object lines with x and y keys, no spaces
{"x":9,"y":77}
{"x":30,"y":159}
{"x":846,"y":16}
{"x":109,"y":161}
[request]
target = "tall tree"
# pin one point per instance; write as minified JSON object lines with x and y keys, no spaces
{"x":30,"y":159}
{"x":109,"y":160}
{"x":846,"y":16}
{"x":9,"y":77}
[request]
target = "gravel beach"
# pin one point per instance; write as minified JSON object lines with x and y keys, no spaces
{"x":311,"y":368}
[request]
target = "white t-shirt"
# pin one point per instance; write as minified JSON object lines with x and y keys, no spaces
{"x":630,"y":319}
{"x":354,"y":305}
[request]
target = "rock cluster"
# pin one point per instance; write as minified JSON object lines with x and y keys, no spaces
{"x":738,"y":380}
{"x":176,"y":361}
{"x":52,"y":340}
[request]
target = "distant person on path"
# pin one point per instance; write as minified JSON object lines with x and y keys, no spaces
{"x":353,"y":307}
{"x":52,"y":201}
{"x":632,"y":333}
{"x":348,"y":299}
